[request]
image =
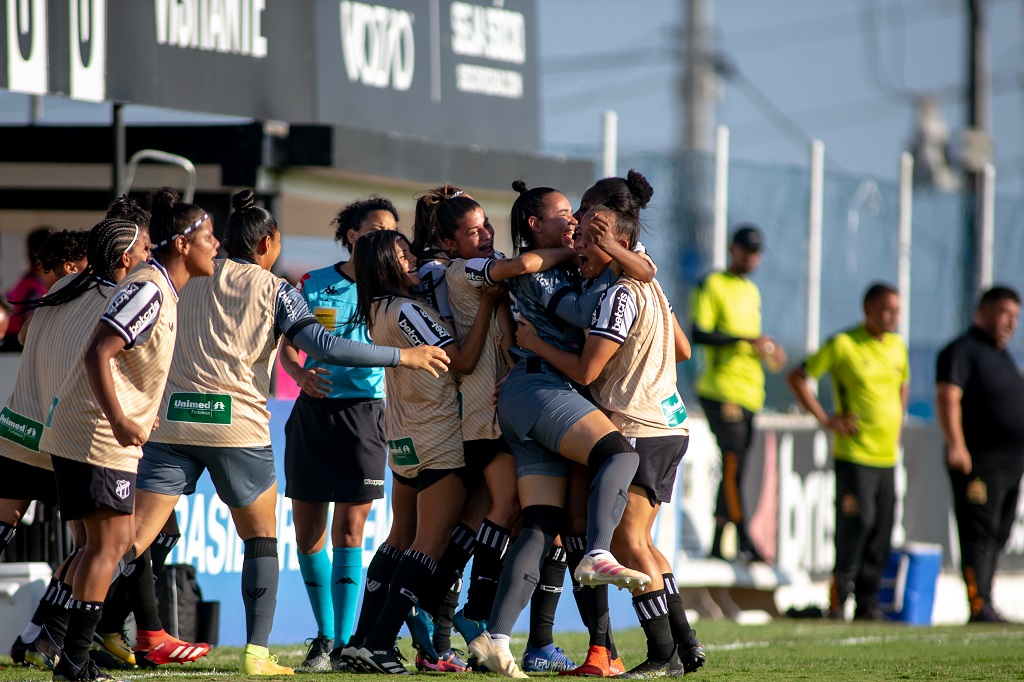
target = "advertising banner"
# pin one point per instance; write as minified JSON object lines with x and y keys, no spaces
{"x":459,"y":71}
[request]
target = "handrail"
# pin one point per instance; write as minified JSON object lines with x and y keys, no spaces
{"x":160,"y":157}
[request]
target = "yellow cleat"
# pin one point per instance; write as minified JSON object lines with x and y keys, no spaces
{"x":257,"y":660}
{"x":116,"y":645}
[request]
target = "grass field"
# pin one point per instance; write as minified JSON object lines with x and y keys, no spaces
{"x":785,"y":650}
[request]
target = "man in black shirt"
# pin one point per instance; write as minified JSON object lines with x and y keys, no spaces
{"x":980,"y":405}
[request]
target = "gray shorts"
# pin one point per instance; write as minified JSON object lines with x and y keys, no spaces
{"x":240,"y":475}
{"x":536,"y":407}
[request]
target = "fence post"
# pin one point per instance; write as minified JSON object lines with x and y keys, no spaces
{"x":609,"y":144}
{"x":814,"y":247}
{"x":905,"y":223}
{"x":987,"y":236}
{"x":720,"y":248}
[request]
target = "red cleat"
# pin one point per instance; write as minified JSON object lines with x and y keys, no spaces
{"x":598,"y":664}
{"x":161,"y":649}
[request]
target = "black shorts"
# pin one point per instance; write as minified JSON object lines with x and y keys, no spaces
{"x":479,"y":453}
{"x":20,"y":481}
{"x":428,"y":477}
{"x":335,"y":450}
{"x":83,"y":488}
{"x":659,"y":459}
{"x":732,"y":425}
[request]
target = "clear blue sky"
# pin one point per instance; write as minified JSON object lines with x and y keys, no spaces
{"x":819,"y":62}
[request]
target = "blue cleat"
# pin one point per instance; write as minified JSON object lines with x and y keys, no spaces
{"x":421,"y":629}
{"x":546,"y":659}
{"x":469,"y":629}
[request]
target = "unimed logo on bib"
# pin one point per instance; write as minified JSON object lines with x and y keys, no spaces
{"x":377,"y":45}
{"x":199,"y":408}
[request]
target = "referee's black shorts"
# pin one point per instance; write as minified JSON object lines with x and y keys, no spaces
{"x":335,"y":450}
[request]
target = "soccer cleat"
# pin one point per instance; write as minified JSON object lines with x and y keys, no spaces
{"x":170,"y":650}
{"x":648,"y":670}
{"x":257,"y":660}
{"x":318,"y":658}
{"x":43,"y":653}
{"x":598,"y":664}
{"x":421,"y":629}
{"x":65,"y":671}
{"x":381,"y":661}
{"x":349,"y":658}
{"x":18,"y":650}
{"x":546,"y":659}
{"x":987,"y":614}
{"x":616,"y":667}
{"x":338,"y":664}
{"x":112,"y":650}
{"x":447,"y":662}
{"x":601,"y":568}
{"x":469,"y":629}
{"x":692,"y":656}
{"x":495,"y":658}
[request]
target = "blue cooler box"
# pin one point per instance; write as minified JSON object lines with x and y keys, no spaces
{"x":907,"y":591}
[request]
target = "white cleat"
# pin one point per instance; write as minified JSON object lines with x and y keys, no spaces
{"x":495,"y":658}
{"x":603,"y":569}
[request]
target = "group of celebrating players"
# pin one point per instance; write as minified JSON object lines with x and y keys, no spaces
{"x":526,"y":406}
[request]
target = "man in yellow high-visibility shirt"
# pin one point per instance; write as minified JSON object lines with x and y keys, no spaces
{"x":727,"y":321}
{"x":870,"y":377}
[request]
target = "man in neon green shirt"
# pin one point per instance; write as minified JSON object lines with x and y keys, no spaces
{"x":870,"y":377}
{"x":727,"y":321}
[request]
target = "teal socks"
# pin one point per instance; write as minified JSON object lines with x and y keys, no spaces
{"x":316,"y":573}
{"x":346,"y":577}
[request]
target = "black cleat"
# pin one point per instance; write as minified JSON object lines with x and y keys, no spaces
{"x":43,"y":653}
{"x":338,"y":663}
{"x":382,"y":661}
{"x":692,"y":656}
{"x":318,"y":658}
{"x":18,"y":650}
{"x":987,"y":614}
{"x":649,"y":670}
{"x":65,"y":671}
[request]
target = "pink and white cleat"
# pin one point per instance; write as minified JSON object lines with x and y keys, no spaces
{"x":600,"y":568}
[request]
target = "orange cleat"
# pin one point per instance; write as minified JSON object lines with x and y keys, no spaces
{"x":617,"y":667}
{"x":159,"y":648}
{"x":598,"y":664}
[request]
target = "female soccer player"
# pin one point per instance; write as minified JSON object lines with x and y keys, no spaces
{"x":548,"y":424}
{"x":629,"y":363}
{"x":463,"y":248}
{"x":423,"y":430}
{"x":213,"y":412}
{"x":107,"y":405}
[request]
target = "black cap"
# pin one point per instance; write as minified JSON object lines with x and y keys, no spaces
{"x":749,"y":238}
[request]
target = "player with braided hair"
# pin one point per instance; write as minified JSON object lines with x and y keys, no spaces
{"x":26,"y":474}
{"x":107,"y":404}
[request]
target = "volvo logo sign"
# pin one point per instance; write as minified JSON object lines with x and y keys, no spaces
{"x":377,"y":45}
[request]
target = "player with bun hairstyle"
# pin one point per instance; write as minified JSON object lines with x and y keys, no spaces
{"x":628,"y":361}
{"x":549,"y":425}
{"x":106,"y":406}
{"x":213,"y":411}
{"x":425,"y":437}
{"x":453,"y":229}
